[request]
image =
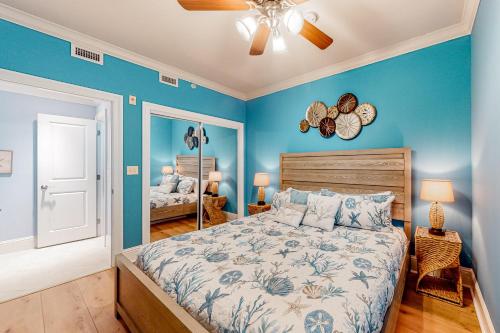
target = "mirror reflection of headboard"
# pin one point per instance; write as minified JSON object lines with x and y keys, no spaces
{"x":354,"y":171}
{"x":187,"y":165}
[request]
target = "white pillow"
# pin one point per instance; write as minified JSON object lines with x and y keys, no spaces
{"x":166,"y":188}
{"x":368,"y":211}
{"x":291,"y":214}
{"x":281,"y":198}
{"x":185,"y":186}
{"x":321,"y":211}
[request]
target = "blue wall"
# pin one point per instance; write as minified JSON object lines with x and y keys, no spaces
{"x":161,"y":147}
{"x":18,"y":115}
{"x":485,"y":153}
{"x":223,"y":145}
{"x":423,"y":102}
{"x":28,"y":51}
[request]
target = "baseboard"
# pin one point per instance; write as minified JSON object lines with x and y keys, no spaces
{"x":231,"y":216}
{"x":18,"y":244}
{"x":469,"y":281}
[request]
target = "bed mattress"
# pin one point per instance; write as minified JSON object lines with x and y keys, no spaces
{"x":158,"y":199}
{"x":256,"y":275}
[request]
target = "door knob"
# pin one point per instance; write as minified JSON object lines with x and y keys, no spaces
{"x":44,"y":187}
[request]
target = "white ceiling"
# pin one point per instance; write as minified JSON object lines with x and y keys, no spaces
{"x":208,"y":45}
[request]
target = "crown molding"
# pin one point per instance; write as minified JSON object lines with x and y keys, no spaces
{"x":39,"y":24}
{"x":439,"y":36}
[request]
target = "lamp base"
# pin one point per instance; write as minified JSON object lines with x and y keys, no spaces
{"x":261,"y":203}
{"x":437,"y":232}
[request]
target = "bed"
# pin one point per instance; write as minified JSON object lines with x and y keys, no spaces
{"x":173,"y":205}
{"x":253,"y":274}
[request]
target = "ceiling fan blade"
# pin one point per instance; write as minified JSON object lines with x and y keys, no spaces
{"x":214,"y":4}
{"x":315,"y":36}
{"x":260,"y":39}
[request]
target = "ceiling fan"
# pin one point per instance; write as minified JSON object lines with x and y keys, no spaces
{"x":267,"y":21}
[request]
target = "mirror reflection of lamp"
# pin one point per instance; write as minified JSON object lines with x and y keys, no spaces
{"x":167,"y":170}
{"x":437,"y":191}
{"x":215,"y":177}
{"x":261,"y":180}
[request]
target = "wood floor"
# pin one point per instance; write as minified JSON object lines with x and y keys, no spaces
{"x":172,"y":228}
{"x":86,"y":305}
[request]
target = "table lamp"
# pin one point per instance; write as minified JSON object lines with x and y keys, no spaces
{"x":437,"y":191}
{"x":167,"y":170}
{"x":261,"y":180}
{"x":215,"y":177}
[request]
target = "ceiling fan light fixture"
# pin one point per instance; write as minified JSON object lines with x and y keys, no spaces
{"x":294,"y":21}
{"x":279,"y":45}
{"x":247,"y":27}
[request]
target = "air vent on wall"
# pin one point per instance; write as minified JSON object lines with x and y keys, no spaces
{"x":87,"y":54}
{"x":169,"y":79}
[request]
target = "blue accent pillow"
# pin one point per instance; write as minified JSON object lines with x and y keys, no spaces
{"x":327,"y":193}
{"x":171,"y":179}
{"x":299,"y":197}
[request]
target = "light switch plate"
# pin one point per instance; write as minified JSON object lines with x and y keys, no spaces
{"x":132,"y":100}
{"x":132,"y":170}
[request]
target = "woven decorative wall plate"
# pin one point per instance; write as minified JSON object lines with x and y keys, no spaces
{"x":333,"y":112}
{"x":366,"y":112}
{"x":315,"y":112}
{"x":304,"y":125}
{"x":348,"y":125}
{"x":327,"y":127}
{"x":347,"y":103}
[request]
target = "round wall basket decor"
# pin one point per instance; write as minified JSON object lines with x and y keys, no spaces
{"x":304,"y":126}
{"x":366,"y":112}
{"x":348,"y":125}
{"x":332,"y":112}
{"x":347,"y":103}
{"x":315,"y":112}
{"x":327,"y":127}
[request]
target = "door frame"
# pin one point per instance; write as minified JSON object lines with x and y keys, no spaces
{"x":149,"y":109}
{"x":36,"y":86}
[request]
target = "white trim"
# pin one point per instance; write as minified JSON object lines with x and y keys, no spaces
{"x":65,"y":91}
{"x":372,"y":57}
{"x":458,"y":30}
{"x":483,"y":315}
{"x":18,"y":244}
{"x":34,"y":22}
{"x":150,"y":108}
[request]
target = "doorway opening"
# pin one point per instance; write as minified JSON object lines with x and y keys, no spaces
{"x":59,"y":217}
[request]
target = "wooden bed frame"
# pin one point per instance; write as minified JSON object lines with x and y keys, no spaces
{"x":186,"y":165}
{"x":145,"y":307}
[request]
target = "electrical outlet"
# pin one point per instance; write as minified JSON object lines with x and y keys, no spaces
{"x":132,"y":170}
{"x":132,"y":100}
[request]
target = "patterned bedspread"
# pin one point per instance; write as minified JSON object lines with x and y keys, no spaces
{"x":158,"y":199}
{"x":255,"y":275}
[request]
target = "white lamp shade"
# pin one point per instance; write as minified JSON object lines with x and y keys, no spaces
{"x":167,"y":170}
{"x":261,"y":179}
{"x":437,"y":190}
{"x":215,"y":176}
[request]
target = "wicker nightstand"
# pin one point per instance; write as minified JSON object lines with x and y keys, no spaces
{"x":439,"y":255}
{"x":212,"y":212}
{"x":253,"y":208}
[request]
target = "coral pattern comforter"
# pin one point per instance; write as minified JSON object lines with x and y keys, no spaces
{"x":158,"y":199}
{"x":255,"y":275}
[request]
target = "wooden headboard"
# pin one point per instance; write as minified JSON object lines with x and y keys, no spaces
{"x":354,"y":171}
{"x":187,"y":165}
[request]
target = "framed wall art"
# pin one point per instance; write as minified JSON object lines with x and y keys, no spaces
{"x":5,"y":161}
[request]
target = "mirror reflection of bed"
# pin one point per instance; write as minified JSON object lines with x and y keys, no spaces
{"x":174,"y":201}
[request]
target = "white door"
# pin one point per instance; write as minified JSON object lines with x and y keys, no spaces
{"x":66,"y":179}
